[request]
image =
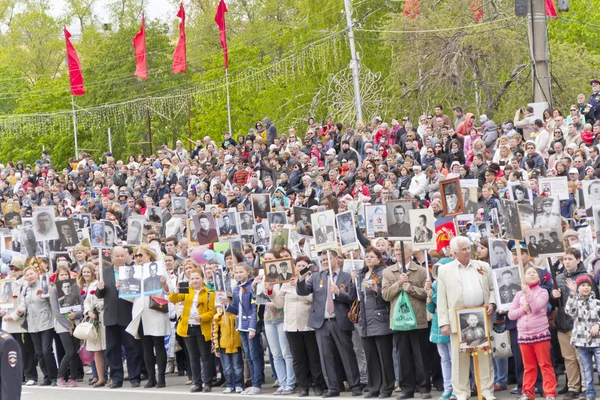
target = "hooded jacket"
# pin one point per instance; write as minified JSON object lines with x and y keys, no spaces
{"x":464,"y":127}
{"x":271,"y":131}
{"x":285,"y":201}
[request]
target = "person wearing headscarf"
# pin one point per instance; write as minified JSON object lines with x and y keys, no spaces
{"x":280,"y":198}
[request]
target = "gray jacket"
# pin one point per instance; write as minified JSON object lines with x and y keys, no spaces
{"x":490,"y":135}
{"x":61,"y":323}
{"x":374,"y":315}
{"x":36,"y":308}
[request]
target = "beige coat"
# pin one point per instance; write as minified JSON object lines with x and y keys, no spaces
{"x":15,"y":324}
{"x":296,"y":309}
{"x":391,"y":289}
{"x":90,"y":303}
{"x":450,"y":292}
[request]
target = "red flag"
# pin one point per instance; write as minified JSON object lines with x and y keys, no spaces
{"x":445,"y":231}
{"x":550,"y":9}
{"x":220,"y":20}
{"x":139,"y":47}
{"x":74,"y":65}
{"x":179,"y":57}
{"x":412,"y":8}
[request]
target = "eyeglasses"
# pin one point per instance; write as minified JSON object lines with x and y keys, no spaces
{"x":139,"y":255}
{"x":573,"y":109}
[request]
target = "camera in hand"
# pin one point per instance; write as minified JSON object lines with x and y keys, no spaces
{"x":184,"y":287}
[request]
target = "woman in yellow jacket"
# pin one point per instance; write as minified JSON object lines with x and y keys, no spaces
{"x":195,"y":326}
{"x":228,"y":347}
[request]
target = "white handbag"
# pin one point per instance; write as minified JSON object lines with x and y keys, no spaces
{"x":501,"y":344}
{"x":86,"y":330}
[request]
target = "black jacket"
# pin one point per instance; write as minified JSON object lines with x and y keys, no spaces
{"x":116,"y":311}
{"x":564,"y":323}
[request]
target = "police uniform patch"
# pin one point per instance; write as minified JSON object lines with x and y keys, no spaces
{"x":12,"y":358}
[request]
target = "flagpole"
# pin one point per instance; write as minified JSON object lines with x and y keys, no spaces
{"x":148,"y":117}
{"x":228,"y":104}
{"x":189,"y":107}
{"x":75,"y":126}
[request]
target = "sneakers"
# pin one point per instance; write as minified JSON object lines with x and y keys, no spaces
{"x":62,"y":383}
{"x":239,"y":390}
{"x":31,"y":382}
{"x":229,"y":390}
{"x":524,"y":397}
{"x":446,"y":395}
{"x":72,"y":383}
{"x":570,"y":395}
{"x":287,"y":390}
{"x":279,"y":391}
{"x":275,"y":384}
{"x":251,"y":391}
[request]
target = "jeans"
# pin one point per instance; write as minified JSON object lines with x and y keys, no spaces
{"x":501,"y":371}
{"x":201,"y":360}
{"x":233,"y":368}
{"x":586,"y":354}
{"x":446,"y":361}
{"x":282,"y":356}
{"x":254,"y":354}
{"x":42,"y":342}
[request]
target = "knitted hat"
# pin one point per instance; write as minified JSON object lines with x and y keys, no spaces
{"x":581,"y":279}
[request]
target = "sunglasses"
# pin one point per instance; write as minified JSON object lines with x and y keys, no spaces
{"x":139,"y":255}
{"x":12,"y":267}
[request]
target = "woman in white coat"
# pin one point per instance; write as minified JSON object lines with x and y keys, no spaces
{"x":93,"y":307}
{"x":149,"y":325}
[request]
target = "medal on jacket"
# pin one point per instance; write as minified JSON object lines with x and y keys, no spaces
{"x":321,"y":283}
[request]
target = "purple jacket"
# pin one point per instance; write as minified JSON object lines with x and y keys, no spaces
{"x":533,"y":326}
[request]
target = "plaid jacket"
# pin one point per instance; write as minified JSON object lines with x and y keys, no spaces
{"x":585,"y":314}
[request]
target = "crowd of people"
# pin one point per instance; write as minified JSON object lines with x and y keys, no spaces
{"x":389,"y":323}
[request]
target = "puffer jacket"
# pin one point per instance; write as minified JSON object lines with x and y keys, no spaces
{"x":564,"y":323}
{"x":224,"y":334}
{"x":374,"y":315}
{"x":435,"y":336}
{"x":244,"y":306}
{"x":585,"y":313}
{"x":296,"y":309}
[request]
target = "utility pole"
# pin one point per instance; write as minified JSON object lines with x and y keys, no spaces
{"x":354,"y":62}
{"x":538,"y":44}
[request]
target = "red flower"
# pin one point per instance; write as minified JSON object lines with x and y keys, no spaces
{"x":92,"y":292}
{"x":39,"y":292}
{"x":15,"y":297}
{"x":243,"y":290}
{"x":82,"y":293}
{"x":547,"y":277}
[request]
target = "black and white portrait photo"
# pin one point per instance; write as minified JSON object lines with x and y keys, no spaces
{"x":135,"y":230}
{"x":83,"y":235}
{"x":6,"y":293}
{"x":591,"y":195}
{"x":154,"y":215}
{"x":276,"y":218}
{"x":206,"y":228}
{"x":110,"y":234}
{"x":484,"y":229}
{"x":472,"y":327}
{"x":261,"y":205}
{"x":246,"y":223}
{"x":178,"y":205}
{"x":500,"y":256}
{"x":355,"y":265}
{"x":303,"y":221}
{"x":279,"y":238}
{"x":151,"y":274}
{"x":470,"y":195}
{"x":376,"y":221}
{"x":422,"y":225}
{"x":452,"y":201}
{"x":97,"y":234}
{"x":219,"y":279}
{"x":324,"y":230}
{"x":520,"y":193}
{"x":510,"y":218}
{"x":507,"y":282}
{"x":68,"y":296}
{"x":131,"y":282}
{"x":347,"y":231}
{"x":262,"y":234}
{"x":44,"y":225}
{"x":586,"y":242}
{"x":24,"y":241}
{"x":546,"y":242}
{"x":67,"y":233}
{"x":228,"y":228}
{"x":191,"y":233}
{"x":398,"y":224}
{"x":546,"y":212}
{"x":279,"y":271}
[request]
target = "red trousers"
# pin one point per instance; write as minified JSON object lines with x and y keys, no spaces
{"x":535,"y":354}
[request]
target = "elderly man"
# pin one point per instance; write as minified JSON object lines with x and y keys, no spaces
{"x":465,"y":283}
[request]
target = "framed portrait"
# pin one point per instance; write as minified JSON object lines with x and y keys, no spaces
{"x":130,"y":277}
{"x":110,"y":233}
{"x":262,"y":234}
{"x":484,"y":229}
{"x":68,"y":296}
{"x":500,"y":255}
{"x":190,"y":230}
{"x":511,"y":219}
{"x":353,"y":265}
{"x":246,"y":223}
{"x":279,"y":271}
{"x":302,"y":219}
{"x":507,"y":283}
{"x":12,"y":216}
{"x":44,"y":224}
{"x":470,"y":194}
{"x":422,"y":224}
{"x":219,"y":282}
{"x":178,"y":205}
{"x":547,"y":242}
{"x":154,"y":216}
{"x":280,"y":238}
{"x":526,"y":215}
{"x":228,"y":226}
{"x":347,"y":232}
{"x":206,"y":228}
{"x":376,"y":221}
{"x":97,"y":234}
{"x":520,"y":192}
{"x":135,"y":231}
{"x":261,"y":205}
{"x":557,"y":186}
{"x":546,"y":212}
{"x":398,"y":225}
{"x":151,"y":274}
{"x":7,"y":291}
{"x":591,"y":195}
{"x":276,"y":219}
{"x":452,"y":201}
{"x":67,"y":233}
{"x":472,"y":327}
{"x":586,"y":242}
{"x":324,"y":230}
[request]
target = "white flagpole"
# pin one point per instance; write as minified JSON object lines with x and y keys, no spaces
{"x":228,"y":104}
{"x":75,"y":126}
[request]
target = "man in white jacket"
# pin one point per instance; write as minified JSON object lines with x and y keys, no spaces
{"x":418,"y":184}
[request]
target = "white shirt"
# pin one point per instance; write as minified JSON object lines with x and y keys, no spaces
{"x":329,"y":281}
{"x":194,"y":311}
{"x":471,"y":284}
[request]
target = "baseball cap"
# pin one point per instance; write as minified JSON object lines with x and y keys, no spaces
{"x":573,"y":171}
{"x":330,"y":152}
